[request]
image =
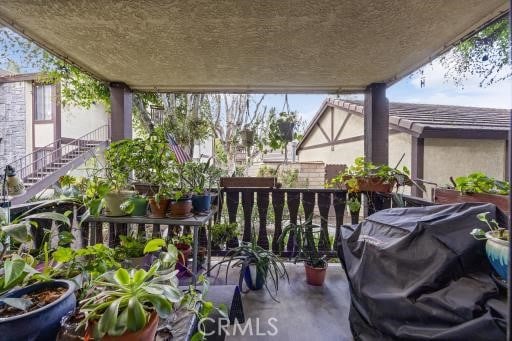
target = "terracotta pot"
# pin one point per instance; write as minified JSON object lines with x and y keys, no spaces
{"x":315,"y":276}
{"x":374,"y":184}
{"x":185,"y":252}
{"x":159,"y":209}
{"x":146,"y":334}
{"x":450,"y":196}
{"x":181,"y":208}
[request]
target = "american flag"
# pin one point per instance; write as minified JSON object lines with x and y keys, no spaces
{"x":181,"y":156}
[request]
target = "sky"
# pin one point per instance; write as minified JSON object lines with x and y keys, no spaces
{"x":437,"y":90}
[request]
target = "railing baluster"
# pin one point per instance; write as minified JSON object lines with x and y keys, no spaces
{"x":98,"y":233}
{"x":324,"y":204}
{"x":278,"y":204}
{"x":247,"y":205}
{"x":293,"y":201}
{"x":262,"y":202}
{"x":339,"y":202}
{"x":308,"y":204}
{"x":232,"y":199}
{"x":111,"y":235}
{"x":141,"y":231}
{"x":156,"y":231}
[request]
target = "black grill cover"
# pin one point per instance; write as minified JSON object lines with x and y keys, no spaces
{"x":417,"y":274}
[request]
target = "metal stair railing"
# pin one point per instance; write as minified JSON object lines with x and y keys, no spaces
{"x":57,"y":154}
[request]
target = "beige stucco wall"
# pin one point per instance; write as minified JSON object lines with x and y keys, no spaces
{"x":43,"y":134}
{"x":78,"y":121}
{"x":345,"y":153}
{"x":457,"y":157}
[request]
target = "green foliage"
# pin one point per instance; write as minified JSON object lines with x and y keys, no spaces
{"x":200,"y":177}
{"x":485,"y":55}
{"x":267,"y":171}
{"x":360,"y":169}
{"x":480,"y":183}
{"x":304,"y":246}
{"x":168,"y":255}
{"x":222,"y":232}
{"x":15,"y":272}
{"x":268,"y":265}
{"x":130,"y":247}
{"x":122,"y":301}
{"x":354,"y":205}
{"x":276,"y":140}
{"x":494,"y":227}
{"x":184,"y":239}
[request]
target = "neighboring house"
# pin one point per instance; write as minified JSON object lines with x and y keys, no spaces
{"x":32,"y":116}
{"x":38,"y":134}
{"x":435,"y":141}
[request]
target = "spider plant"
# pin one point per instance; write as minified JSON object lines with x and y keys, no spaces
{"x":268,"y":265}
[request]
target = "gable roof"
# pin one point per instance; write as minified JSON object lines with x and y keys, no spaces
{"x":430,"y":120}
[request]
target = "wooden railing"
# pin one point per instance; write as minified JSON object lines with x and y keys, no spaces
{"x":237,"y":205}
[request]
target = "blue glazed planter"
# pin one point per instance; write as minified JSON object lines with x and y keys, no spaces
{"x":202,"y":203}
{"x":497,"y":252}
{"x":41,"y":324}
{"x":254,"y":279}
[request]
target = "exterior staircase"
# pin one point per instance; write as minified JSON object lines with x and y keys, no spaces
{"x":43,"y":168}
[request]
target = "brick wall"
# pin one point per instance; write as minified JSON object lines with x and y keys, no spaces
{"x":12,"y":122}
{"x":311,"y":174}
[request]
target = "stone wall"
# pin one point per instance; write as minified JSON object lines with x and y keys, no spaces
{"x":12,"y":122}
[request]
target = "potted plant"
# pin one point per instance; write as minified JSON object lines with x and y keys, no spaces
{"x":131,"y":252}
{"x":247,"y":136}
{"x":166,"y":253}
{"x":126,"y":305}
{"x":257,"y":266}
{"x":366,"y":177}
{"x":304,"y":249}
{"x":354,"y":206}
{"x":475,"y":187}
{"x":184,"y":245}
{"x":136,"y":206}
{"x":497,"y":244}
{"x":34,"y":312}
{"x":201,"y":177}
{"x":221,"y":233}
{"x":286,"y":122}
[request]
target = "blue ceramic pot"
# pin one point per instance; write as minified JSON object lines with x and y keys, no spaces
{"x":43,"y":323}
{"x":202,"y":203}
{"x":497,"y":252}
{"x":253,"y":279}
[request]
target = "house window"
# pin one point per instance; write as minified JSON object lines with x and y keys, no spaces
{"x":43,"y":103}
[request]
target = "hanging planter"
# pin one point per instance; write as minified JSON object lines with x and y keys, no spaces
{"x":247,"y":137}
{"x":286,"y":129}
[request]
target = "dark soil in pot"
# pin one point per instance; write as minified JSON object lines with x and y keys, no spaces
{"x":42,"y":323}
{"x":38,"y":299}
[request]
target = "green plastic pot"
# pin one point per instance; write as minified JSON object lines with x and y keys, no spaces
{"x":140,"y":206}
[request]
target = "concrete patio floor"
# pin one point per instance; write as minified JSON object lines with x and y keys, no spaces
{"x":304,"y":312}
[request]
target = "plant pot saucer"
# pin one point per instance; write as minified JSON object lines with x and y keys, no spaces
{"x":189,"y":215}
{"x":202,"y":213}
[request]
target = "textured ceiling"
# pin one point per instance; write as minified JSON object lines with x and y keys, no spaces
{"x":266,"y":46}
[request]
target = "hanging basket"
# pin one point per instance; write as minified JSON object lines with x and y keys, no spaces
{"x":286,"y":130}
{"x":247,"y":136}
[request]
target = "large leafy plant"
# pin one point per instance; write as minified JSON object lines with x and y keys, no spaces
{"x":361,"y":169}
{"x":480,"y":183}
{"x":123,"y":300}
{"x":268,"y":265}
{"x":304,"y":247}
